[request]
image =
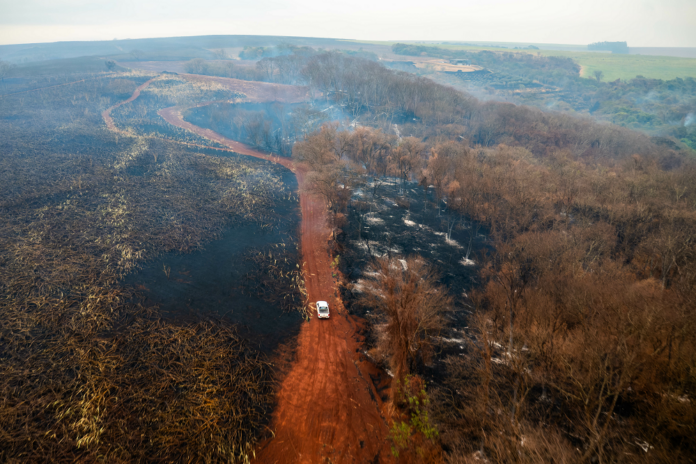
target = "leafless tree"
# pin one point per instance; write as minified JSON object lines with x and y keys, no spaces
{"x":405,"y":159}
{"x":412,"y":301}
{"x":268,"y":67}
{"x":195,"y":66}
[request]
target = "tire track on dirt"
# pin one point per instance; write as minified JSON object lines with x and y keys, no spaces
{"x":328,"y":410}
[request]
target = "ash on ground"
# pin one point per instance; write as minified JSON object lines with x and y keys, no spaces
{"x":388,"y":217}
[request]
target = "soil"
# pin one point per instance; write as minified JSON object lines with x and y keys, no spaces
{"x":329,"y":408}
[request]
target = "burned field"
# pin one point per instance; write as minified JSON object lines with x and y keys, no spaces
{"x":386,"y":218}
{"x":272,"y":127}
{"x":140,"y":116}
{"x":249,"y":275}
{"x":93,"y":367}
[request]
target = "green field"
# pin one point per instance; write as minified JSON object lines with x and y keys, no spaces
{"x":626,"y":67}
{"x":613,"y":66}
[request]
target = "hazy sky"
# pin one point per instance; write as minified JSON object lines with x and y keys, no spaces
{"x":646,"y":23}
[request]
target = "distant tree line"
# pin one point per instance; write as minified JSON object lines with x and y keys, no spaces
{"x":427,"y":109}
{"x":545,"y":69}
{"x":424,"y":108}
{"x":659,"y":107}
{"x":255,"y":53}
{"x":614,"y":47}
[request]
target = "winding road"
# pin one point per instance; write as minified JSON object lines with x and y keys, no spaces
{"x":328,"y":408}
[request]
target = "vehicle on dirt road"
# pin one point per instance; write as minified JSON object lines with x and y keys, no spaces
{"x":322,"y":309}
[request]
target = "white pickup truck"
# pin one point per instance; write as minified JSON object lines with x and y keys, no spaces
{"x":323,"y":309}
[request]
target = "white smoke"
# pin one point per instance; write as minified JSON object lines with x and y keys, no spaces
{"x":690,"y":119}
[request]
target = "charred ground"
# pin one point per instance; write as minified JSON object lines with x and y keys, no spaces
{"x":388,"y":217}
{"x":83,"y":209}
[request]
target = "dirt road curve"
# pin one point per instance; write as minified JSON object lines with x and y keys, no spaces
{"x":106,"y":114}
{"x":328,"y":408}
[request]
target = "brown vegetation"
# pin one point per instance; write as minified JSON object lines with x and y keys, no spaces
{"x":598,"y":331}
{"x":585,"y":328}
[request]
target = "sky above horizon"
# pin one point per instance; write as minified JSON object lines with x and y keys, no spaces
{"x":642,"y":23}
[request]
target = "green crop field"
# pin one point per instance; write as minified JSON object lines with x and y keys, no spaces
{"x":626,"y":67}
{"x":614,"y":66}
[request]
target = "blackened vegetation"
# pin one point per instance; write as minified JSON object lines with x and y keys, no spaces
{"x":388,"y":219}
{"x":128,"y":388}
{"x":249,"y":275}
{"x":140,"y":116}
{"x":276,"y":277}
{"x":88,"y":373}
{"x":410,"y":304}
{"x":272,"y":127}
{"x":31,"y":76}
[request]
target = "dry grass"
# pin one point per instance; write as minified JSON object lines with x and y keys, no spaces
{"x":187,"y":92}
{"x":86,"y":372}
{"x":141,"y":390}
{"x":277,"y":278}
{"x":437,"y":64}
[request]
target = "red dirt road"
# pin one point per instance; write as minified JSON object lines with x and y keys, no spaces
{"x":106,"y":114}
{"x":328,"y":407}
